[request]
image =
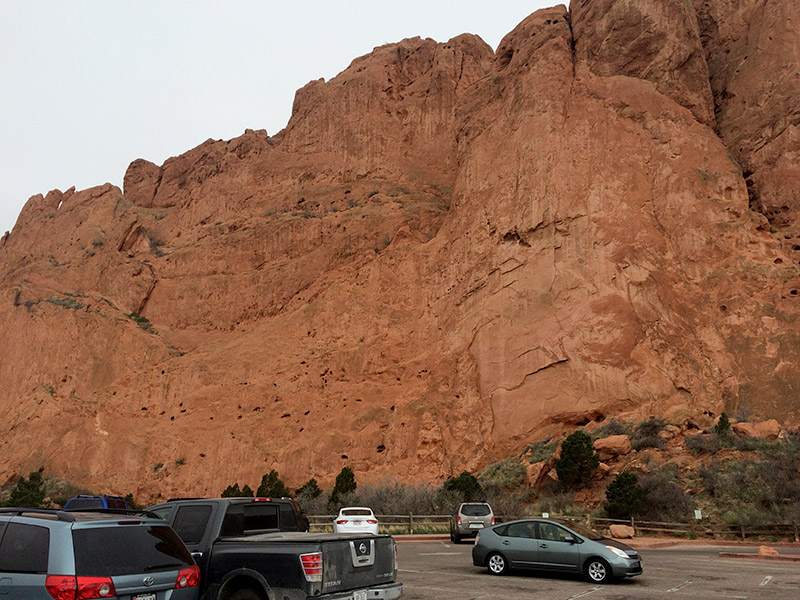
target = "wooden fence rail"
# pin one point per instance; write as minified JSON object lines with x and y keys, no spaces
{"x":411,"y":523}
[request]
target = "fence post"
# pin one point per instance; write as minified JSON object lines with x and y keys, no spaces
{"x":796,"y":537}
{"x":633,"y":526}
{"x":410,"y":523}
{"x":742,"y":529}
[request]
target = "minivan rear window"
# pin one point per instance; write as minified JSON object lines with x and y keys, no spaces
{"x":24,"y":549}
{"x":127,"y":550}
{"x":476,"y":510}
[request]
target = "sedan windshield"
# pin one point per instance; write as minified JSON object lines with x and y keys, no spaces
{"x":584,"y":531}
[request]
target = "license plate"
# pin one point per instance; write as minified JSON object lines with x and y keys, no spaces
{"x":476,"y":525}
{"x":144,"y":597}
{"x":359,"y":595}
{"x":357,"y":522}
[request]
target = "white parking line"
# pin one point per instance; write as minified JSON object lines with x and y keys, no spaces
{"x":680,"y":587}
{"x":438,"y":553}
{"x":766,"y":580}
{"x":586,"y":593}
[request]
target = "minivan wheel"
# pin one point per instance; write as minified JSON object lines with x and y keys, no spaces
{"x":455,"y":538}
{"x":497,"y":564}
{"x":598,"y":570}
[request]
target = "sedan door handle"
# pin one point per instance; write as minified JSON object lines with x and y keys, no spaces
{"x":506,"y":542}
{"x":542,"y":545}
{"x":196,"y":555}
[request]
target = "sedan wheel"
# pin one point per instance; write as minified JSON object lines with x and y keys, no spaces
{"x":496,"y":564}
{"x":598,"y":571}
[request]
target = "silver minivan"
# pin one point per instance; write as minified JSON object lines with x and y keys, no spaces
{"x":48,"y":553}
{"x":469,"y":519}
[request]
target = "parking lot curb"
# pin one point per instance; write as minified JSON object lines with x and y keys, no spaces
{"x":754,"y":556}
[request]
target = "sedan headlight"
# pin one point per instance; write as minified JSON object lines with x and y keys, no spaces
{"x":618,"y":552}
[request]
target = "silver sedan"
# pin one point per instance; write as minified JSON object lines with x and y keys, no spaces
{"x":554,"y":545}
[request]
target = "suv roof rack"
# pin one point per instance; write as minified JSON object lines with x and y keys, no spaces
{"x":61,"y":515}
{"x":99,"y":496}
{"x":70,"y":515}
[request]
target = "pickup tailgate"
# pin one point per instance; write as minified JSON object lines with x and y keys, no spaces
{"x":357,"y":561}
{"x":349,"y":562}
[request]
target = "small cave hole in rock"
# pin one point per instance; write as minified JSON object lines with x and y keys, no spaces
{"x":793,"y":292}
{"x":344,"y":456}
{"x":381,"y":448}
{"x":723,"y":308}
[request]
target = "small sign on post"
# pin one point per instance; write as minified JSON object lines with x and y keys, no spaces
{"x":698,"y":515}
{"x":545,"y":515}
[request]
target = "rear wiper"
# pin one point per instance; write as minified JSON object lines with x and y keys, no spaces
{"x":163,"y":567}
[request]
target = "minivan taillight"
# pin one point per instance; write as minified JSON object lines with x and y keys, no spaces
{"x":188,"y":577}
{"x":65,"y":587}
{"x":312,"y":566}
{"x":95,"y":587}
{"x":61,"y":587}
{"x":492,"y":519}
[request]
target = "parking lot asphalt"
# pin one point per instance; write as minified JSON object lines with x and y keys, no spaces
{"x":431,"y":567}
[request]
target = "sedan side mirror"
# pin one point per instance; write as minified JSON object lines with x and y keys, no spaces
{"x":570,"y":539}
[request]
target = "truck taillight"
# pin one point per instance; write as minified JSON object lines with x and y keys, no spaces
{"x":312,"y":566}
{"x":65,"y":587}
{"x":188,"y":577}
{"x":396,"y":562}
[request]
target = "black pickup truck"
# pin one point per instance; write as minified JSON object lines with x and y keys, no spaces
{"x":245,"y":553}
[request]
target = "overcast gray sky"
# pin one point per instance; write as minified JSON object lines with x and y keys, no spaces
{"x":87,"y":86}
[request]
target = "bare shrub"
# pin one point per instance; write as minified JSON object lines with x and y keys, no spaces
{"x":613,"y":427}
{"x":645,"y":435}
{"x":666,"y":500}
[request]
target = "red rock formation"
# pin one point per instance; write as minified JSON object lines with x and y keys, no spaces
{"x":447,"y":254}
{"x":612,"y":446}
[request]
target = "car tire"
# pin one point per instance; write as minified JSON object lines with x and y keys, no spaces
{"x":496,"y":564}
{"x":598,"y":570}
{"x":246,"y":594}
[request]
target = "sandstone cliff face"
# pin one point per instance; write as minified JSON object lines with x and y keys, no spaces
{"x":448,"y":253}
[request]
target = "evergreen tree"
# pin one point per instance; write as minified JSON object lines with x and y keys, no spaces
{"x":578,"y":461}
{"x":232,"y":491}
{"x":466,"y":484}
{"x":624,"y":496}
{"x":29,"y":492}
{"x":309,"y":490}
{"x":272,"y":487}
{"x":345,"y":484}
{"x":723,"y":426}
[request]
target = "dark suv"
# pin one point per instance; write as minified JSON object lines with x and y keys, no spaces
{"x":48,"y":554}
{"x":469,"y":519}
